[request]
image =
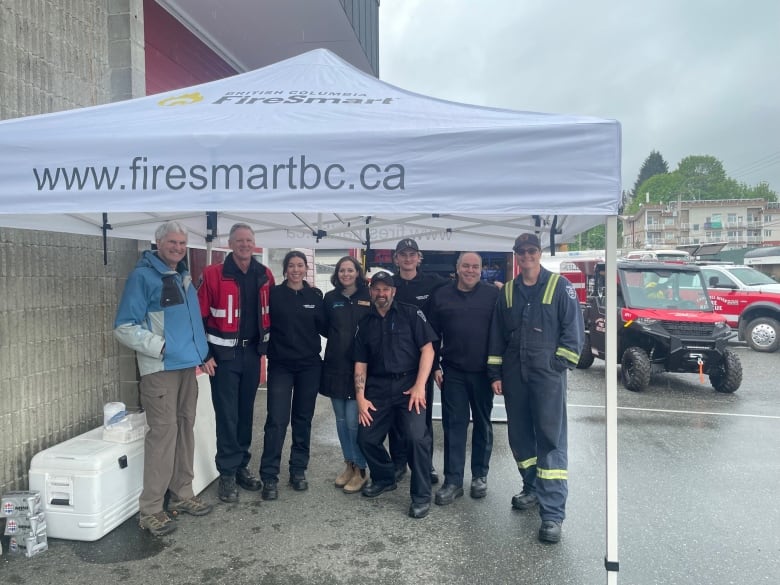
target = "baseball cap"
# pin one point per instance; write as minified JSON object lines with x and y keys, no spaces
{"x":407,"y":243}
{"x":526,"y":240}
{"x":382,"y":277}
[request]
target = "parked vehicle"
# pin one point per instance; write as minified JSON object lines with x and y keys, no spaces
{"x":669,"y":255}
{"x":750,"y":302}
{"x":665,"y":322}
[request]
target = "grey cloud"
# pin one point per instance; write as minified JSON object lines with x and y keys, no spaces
{"x":690,"y":77}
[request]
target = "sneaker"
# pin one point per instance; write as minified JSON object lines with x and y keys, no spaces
{"x":193,"y":506}
{"x":524,"y":500}
{"x":228,"y":489}
{"x":158,"y":524}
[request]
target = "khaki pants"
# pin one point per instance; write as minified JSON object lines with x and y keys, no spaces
{"x":169,"y":399}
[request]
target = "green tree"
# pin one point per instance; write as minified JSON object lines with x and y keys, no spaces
{"x":657,"y":189}
{"x":593,"y":239}
{"x":761,"y":190}
{"x":696,"y":177}
{"x":654,"y":165}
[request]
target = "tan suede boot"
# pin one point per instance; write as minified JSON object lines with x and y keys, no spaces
{"x":346,"y":475}
{"x":357,"y":482}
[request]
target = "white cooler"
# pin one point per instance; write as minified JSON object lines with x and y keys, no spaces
{"x":88,"y":486}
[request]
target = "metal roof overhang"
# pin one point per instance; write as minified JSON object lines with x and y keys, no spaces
{"x":252,"y":34}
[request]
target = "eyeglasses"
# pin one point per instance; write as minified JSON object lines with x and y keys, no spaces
{"x":524,"y":251}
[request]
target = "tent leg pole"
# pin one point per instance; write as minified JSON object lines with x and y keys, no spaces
{"x":611,"y":559}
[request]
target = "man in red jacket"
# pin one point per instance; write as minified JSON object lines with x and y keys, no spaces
{"x":234,"y":305}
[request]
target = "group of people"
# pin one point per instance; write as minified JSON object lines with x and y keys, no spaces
{"x":388,"y":340}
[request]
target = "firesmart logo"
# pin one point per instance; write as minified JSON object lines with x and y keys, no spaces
{"x":181,"y":100}
{"x":304,"y":97}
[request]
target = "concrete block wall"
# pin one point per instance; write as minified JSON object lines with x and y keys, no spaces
{"x":53,"y":55}
{"x":59,"y":362}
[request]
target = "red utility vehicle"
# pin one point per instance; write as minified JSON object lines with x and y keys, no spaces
{"x":665,"y":322}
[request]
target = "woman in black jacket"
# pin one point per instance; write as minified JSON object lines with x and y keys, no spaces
{"x":344,"y":306}
{"x":294,"y":367}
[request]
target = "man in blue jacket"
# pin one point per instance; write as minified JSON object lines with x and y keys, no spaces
{"x":159,"y":318}
{"x":536,"y":336}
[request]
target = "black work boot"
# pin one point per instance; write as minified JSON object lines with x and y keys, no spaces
{"x":228,"y":490}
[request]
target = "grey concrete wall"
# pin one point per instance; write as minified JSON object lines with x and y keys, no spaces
{"x":58,"y":360}
{"x":53,"y":55}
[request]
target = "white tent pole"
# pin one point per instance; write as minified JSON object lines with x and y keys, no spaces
{"x":610,"y":371}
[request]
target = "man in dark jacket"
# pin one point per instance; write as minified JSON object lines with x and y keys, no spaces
{"x":536,"y":336}
{"x":460,"y":313}
{"x":413,"y":287}
{"x":234,"y":304}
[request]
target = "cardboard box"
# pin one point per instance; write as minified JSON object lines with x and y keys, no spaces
{"x":20,"y":504}
{"x":28,"y":545}
{"x":25,"y":526}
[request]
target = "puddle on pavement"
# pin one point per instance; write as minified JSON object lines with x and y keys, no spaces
{"x":127,"y":542}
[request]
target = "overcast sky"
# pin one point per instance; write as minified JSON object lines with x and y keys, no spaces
{"x":684,"y":77}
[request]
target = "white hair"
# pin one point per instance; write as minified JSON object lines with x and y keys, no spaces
{"x":169,"y":227}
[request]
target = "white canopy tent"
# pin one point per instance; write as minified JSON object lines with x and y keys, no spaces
{"x":314,"y":136}
{"x":317,"y":154}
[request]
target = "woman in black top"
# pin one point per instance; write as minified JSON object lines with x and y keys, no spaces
{"x":344,"y":306}
{"x":294,"y":366}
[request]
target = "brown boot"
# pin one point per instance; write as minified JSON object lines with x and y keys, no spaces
{"x":346,"y":475}
{"x":357,"y":482}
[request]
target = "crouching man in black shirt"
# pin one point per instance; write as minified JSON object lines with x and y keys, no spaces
{"x":393,"y":355}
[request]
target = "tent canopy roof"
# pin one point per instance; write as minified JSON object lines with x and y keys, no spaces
{"x":307,"y":150}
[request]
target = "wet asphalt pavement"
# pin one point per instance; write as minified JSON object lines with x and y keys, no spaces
{"x":699,"y":477}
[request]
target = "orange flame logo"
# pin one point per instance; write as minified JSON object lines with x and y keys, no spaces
{"x":181,"y":100}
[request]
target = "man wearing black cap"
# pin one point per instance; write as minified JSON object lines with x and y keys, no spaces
{"x":415,"y":288}
{"x":536,"y":336}
{"x":393,"y":354}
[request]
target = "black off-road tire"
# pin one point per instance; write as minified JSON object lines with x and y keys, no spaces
{"x":727,"y":377}
{"x":586,"y":357}
{"x":763,"y":334}
{"x":635,"y":369}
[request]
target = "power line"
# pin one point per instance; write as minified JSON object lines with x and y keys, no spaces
{"x":756,"y":166}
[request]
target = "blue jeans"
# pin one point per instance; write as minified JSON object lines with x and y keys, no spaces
{"x":347,"y":429}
